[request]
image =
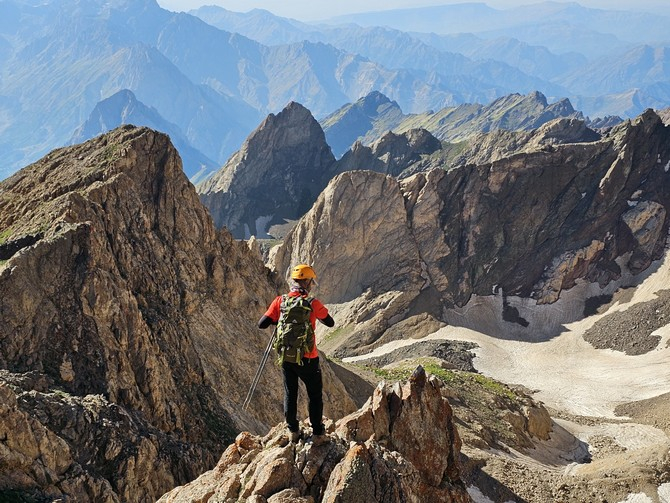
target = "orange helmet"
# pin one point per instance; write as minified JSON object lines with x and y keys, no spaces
{"x":303,"y":271}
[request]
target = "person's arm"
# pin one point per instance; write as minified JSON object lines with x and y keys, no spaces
{"x":328,"y":321}
{"x":271,"y":316}
{"x":265,"y":322}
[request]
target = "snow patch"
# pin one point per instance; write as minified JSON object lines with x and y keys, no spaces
{"x":637,"y":498}
{"x":664,"y":493}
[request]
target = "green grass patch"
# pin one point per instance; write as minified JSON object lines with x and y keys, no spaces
{"x":4,"y":235}
{"x":457,"y":378}
{"x":110,"y":151}
{"x":401,"y":374}
{"x":494,"y":386}
{"x":61,"y":393}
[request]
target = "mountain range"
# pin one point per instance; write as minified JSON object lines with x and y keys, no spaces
{"x":555,"y":44}
{"x":129,"y":320}
{"x":289,"y":159}
{"x":212,"y":75}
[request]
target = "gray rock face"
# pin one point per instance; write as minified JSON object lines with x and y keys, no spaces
{"x":118,"y":292}
{"x":529,"y":225}
{"x":392,"y":154}
{"x":276,"y":175}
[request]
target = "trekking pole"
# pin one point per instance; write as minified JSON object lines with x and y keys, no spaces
{"x":257,"y":377}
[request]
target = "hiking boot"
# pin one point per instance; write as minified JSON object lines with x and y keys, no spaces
{"x":320,"y":439}
{"x":294,"y":435}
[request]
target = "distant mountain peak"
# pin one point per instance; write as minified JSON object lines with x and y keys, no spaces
{"x":122,"y":108}
{"x":276,"y":176}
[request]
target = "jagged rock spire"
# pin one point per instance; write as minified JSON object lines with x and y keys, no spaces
{"x":402,"y":445}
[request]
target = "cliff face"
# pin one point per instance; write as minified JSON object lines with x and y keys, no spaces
{"x":128,"y":332}
{"x":392,"y":153}
{"x":402,"y":445}
{"x":530,"y":225}
{"x":276,"y":175}
{"x":285,"y":164}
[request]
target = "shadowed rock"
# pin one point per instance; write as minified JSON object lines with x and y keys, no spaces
{"x":276,"y":175}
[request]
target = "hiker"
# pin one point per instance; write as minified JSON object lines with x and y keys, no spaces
{"x":299,"y":362}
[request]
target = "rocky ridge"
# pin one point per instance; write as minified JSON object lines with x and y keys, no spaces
{"x":402,"y":445}
{"x":128,"y":339}
{"x":374,"y":115}
{"x":596,"y":212}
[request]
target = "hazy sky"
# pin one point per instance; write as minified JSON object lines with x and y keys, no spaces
{"x":310,"y":10}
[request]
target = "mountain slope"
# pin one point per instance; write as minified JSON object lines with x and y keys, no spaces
{"x":74,"y":56}
{"x":540,"y":21}
{"x":121,"y":302}
{"x":640,"y":67}
{"x":371,"y":117}
{"x":469,"y":80}
{"x":365,"y":120}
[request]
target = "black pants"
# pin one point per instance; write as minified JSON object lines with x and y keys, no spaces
{"x":309,"y":373}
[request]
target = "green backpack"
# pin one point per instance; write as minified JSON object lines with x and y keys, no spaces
{"x":295,"y":335}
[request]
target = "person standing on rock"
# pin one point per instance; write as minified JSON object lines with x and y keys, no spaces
{"x":295,"y":315}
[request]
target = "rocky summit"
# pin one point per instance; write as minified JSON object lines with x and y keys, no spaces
{"x":128,"y":337}
{"x":529,"y":226}
{"x":402,"y":445}
{"x":275,"y":177}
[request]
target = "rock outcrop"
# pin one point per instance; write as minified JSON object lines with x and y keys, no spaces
{"x":531,"y":226}
{"x":392,"y":154}
{"x":402,"y":445}
{"x":486,"y":148}
{"x":128,"y":331}
{"x":276,"y":176}
{"x":417,"y":151}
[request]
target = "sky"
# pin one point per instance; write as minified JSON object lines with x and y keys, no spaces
{"x":313,"y":10}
